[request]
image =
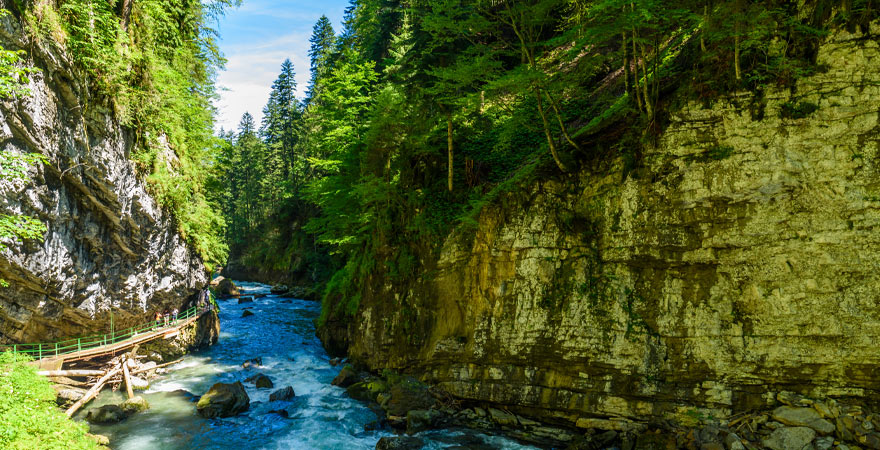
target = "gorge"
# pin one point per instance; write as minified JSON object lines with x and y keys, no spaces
{"x":543,"y":223}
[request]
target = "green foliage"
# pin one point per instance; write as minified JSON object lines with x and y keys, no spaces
{"x":514,"y":91}
{"x":29,"y":418}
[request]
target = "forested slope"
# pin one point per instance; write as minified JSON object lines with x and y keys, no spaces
{"x":590,"y":209}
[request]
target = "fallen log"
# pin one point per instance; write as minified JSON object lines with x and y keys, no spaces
{"x":128,"y":389}
{"x":92,"y":392}
{"x":70,"y":373}
{"x":135,"y":372}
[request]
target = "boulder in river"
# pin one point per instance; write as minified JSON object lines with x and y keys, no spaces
{"x":226,"y":288}
{"x":399,"y":443}
{"x":278,"y":289}
{"x":367,"y":390}
{"x":282,"y":394}
{"x":248,"y":299}
{"x":106,"y":414}
{"x":260,"y":381}
{"x":253,"y":362}
{"x":135,"y":404}
{"x":246,"y":313}
{"x":223,"y":400}
{"x":347,"y":376}
{"x":139,"y":384}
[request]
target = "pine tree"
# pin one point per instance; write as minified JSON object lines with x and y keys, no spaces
{"x":323,"y":43}
{"x":280,"y":120}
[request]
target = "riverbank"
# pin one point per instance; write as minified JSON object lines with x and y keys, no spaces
{"x":281,"y":333}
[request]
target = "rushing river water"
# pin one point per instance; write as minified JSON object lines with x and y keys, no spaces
{"x":282,"y":332}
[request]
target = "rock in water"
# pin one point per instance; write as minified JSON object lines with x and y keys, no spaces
{"x":106,"y":414}
{"x":347,"y":376}
{"x":139,"y":384}
{"x":258,"y":361}
{"x":223,"y":400}
{"x":249,"y":299}
{"x":399,"y":443}
{"x":263,"y":382}
{"x":226,"y":288}
{"x":246,"y":313}
{"x":260,"y":381}
{"x":278,"y":289}
{"x":135,"y":404}
{"x":282,"y":394}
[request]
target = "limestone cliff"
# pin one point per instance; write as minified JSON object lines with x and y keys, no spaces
{"x":740,"y":259}
{"x":109,"y":245}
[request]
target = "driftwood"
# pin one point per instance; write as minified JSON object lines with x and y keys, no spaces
{"x":135,"y":372}
{"x":92,"y":392}
{"x":70,"y":373}
{"x":128,"y":389}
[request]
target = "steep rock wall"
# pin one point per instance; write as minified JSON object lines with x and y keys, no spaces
{"x":741,"y":259}
{"x":109,"y":245}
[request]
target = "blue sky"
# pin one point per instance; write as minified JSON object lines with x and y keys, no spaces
{"x":256,"y":38}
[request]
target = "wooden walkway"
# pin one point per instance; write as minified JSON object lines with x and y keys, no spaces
{"x":52,"y":356}
{"x":169,"y":332}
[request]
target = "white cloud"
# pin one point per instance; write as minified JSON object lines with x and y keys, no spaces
{"x":250,"y":72}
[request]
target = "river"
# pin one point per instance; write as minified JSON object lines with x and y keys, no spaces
{"x":282,"y":332}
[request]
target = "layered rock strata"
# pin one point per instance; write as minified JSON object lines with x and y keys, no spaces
{"x":739,"y":260}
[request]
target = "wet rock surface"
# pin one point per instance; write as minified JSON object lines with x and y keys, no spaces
{"x":223,"y":400}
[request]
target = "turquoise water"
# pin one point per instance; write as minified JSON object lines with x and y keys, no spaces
{"x":283,"y":334}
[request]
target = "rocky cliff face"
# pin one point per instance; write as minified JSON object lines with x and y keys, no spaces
{"x":740,"y":260}
{"x":109,"y":246}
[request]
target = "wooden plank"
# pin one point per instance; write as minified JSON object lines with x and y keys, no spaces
{"x":91,"y":392}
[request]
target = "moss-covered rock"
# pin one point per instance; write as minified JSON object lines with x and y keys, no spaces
{"x":134,"y":405}
{"x":367,"y":390}
{"x":223,"y":400}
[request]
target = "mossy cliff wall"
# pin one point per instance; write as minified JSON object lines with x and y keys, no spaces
{"x":109,"y":244}
{"x":740,"y":259}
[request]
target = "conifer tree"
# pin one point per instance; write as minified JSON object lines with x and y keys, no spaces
{"x":323,"y":43}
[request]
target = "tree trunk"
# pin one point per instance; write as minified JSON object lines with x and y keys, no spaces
{"x":625,"y":63}
{"x":703,"y":31}
{"x":128,"y":389}
{"x":539,"y":96}
{"x":92,"y":392}
{"x":736,"y":39}
{"x":70,"y":373}
{"x":449,"y":148}
{"x":125,"y":13}
{"x":636,"y":74}
{"x":561,"y":123}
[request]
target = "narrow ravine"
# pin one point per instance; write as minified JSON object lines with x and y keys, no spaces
{"x":282,"y":333}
